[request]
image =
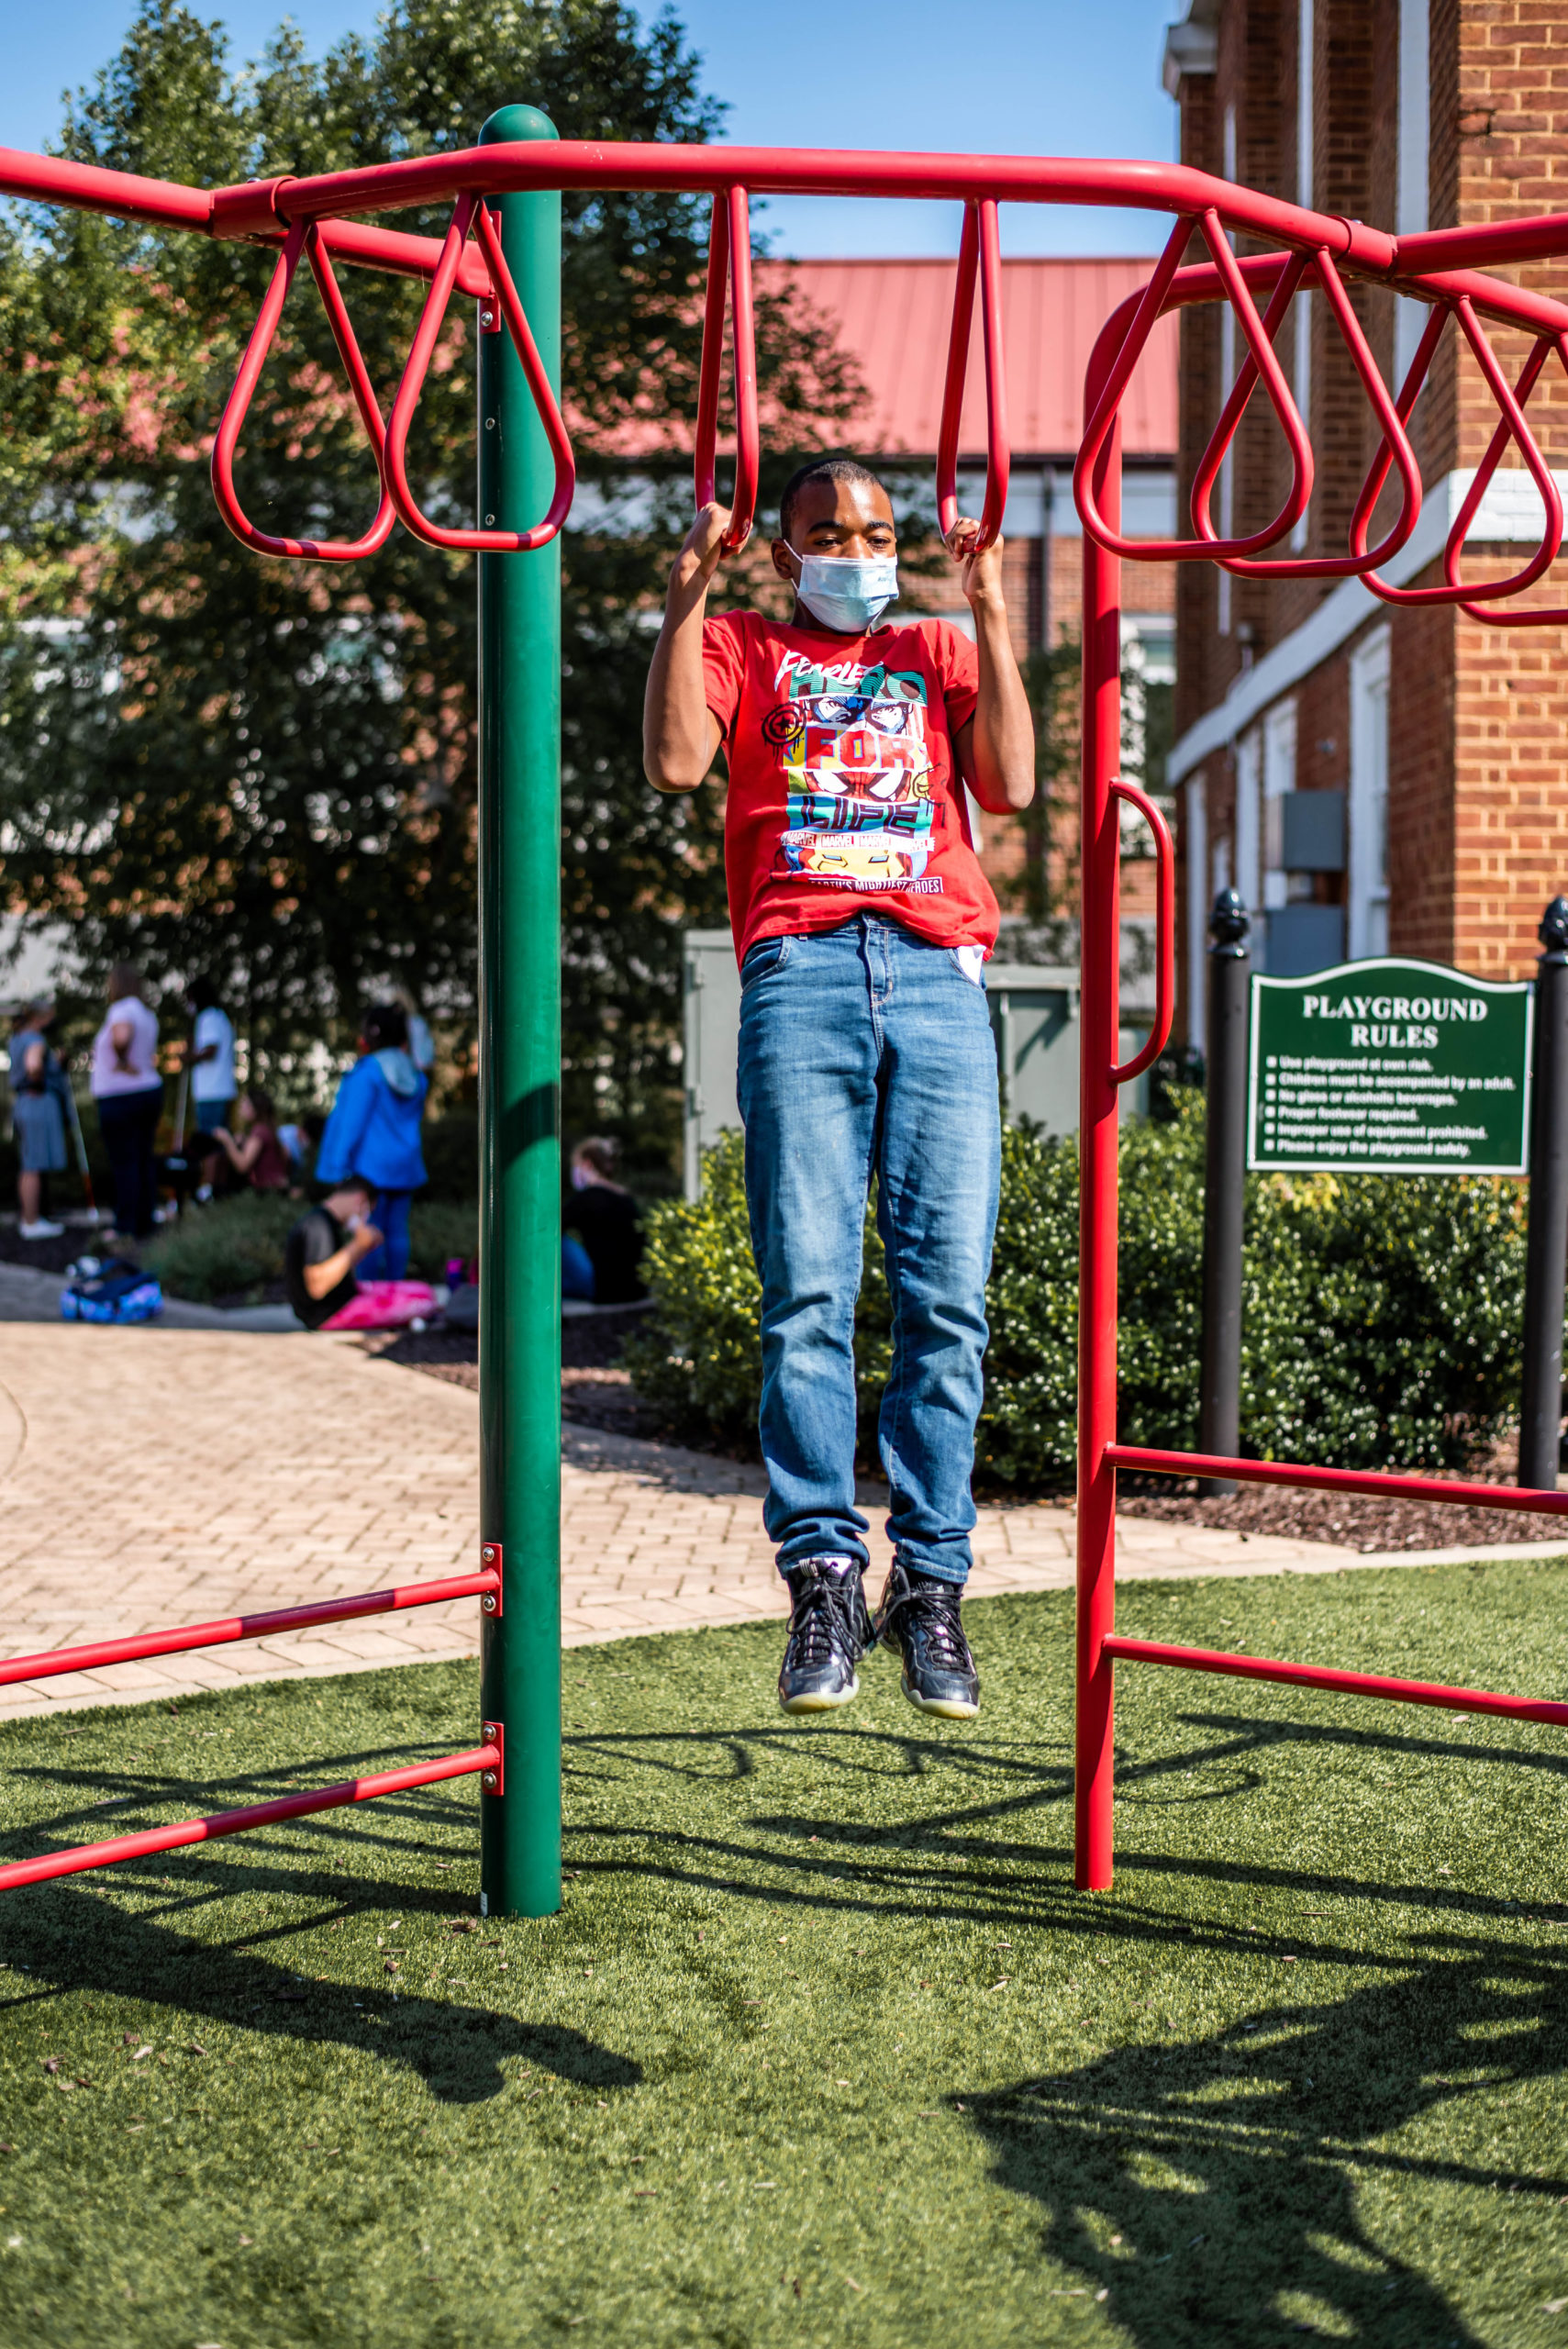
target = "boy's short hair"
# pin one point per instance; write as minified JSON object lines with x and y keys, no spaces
{"x":821,"y":469}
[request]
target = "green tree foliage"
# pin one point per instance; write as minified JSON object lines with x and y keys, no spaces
{"x":1381,"y":1313}
{"x":265,"y":769}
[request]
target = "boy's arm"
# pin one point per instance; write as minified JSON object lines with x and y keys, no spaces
{"x":680,"y":734}
{"x":996,"y":747}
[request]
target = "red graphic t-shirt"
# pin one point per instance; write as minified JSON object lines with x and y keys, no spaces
{"x":844,"y":791}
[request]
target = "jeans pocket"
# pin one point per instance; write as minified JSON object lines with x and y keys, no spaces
{"x":971,"y":961}
{"x":768,"y":954}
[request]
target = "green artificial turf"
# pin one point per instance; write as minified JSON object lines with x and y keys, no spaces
{"x":824,"y":2046}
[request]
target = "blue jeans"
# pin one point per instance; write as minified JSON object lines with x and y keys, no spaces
{"x":865,"y":1051}
{"x":390,"y":1261}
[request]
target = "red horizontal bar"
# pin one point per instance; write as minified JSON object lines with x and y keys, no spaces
{"x":1315,"y":1675}
{"x":88,"y":187}
{"x":1337,"y":1480}
{"x":254,"y":206}
{"x":255,"y":1814}
{"x":181,"y":1637}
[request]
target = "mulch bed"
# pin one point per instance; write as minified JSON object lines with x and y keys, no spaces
{"x":1351,"y":1519}
{"x":595,"y":1392}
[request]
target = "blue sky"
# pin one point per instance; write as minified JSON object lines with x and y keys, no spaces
{"x":1047,"y":77}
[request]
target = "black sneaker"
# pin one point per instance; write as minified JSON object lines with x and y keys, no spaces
{"x":829,"y":1631}
{"x":918,"y":1615}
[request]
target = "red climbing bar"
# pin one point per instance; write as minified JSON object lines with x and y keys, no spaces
{"x":1164,"y":931}
{"x":729,"y":275}
{"x":255,"y":1814}
{"x":1320,"y":1675}
{"x":1336,"y":1480}
{"x":181,"y":1637}
{"x":979,"y":253}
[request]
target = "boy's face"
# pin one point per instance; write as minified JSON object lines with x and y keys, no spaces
{"x":852,"y":520}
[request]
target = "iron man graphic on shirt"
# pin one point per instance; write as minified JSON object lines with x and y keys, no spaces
{"x":852,"y":747}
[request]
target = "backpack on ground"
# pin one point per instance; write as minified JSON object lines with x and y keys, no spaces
{"x":119,"y":1291}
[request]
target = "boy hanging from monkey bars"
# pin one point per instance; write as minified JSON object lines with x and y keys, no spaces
{"x":862,"y":924}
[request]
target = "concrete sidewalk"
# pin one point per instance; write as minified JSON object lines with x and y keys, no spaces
{"x":159,"y":1475}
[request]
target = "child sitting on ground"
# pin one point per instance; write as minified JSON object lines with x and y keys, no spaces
{"x":319,"y":1257}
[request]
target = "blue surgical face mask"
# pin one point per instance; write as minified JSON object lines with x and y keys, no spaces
{"x":845,"y":594}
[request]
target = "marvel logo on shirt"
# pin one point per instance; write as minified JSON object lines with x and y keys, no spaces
{"x":844,"y":791}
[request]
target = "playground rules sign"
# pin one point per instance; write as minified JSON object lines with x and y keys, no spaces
{"x":1390,"y":1068}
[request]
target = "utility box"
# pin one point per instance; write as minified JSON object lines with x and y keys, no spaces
{"x":1304,"y":938}
{"x":1313,"y":831}
{"x":1034,"y":1017}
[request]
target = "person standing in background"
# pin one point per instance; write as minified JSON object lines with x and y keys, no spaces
{"x":421,"y":1043}
{"x":39,"y":1114}
{"x":374,"y":1131}
{"x":210,"y":1059}
{"x":128,"y":1091}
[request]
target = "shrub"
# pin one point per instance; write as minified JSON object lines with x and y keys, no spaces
{"x":235,"y":1247}
{"x":1381,"y":1313}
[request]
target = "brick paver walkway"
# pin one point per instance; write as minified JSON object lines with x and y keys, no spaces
{"x":155,"y":1476}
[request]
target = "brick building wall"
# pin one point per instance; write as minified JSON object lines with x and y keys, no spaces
{"x":1476,"y":727}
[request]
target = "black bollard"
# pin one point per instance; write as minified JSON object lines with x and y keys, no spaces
{"x":1540,"y":1412}
{"x":1219,"y":1392}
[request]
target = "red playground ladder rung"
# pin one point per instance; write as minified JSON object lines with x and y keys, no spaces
{"x":256,"y":1814}
{"x":1319,"y":1675}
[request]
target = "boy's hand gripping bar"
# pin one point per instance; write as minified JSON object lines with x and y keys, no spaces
{"x":979,"y":251}
{"x":729,"y":257}
{"x":470,"y":209}
{"x":303,"y":237}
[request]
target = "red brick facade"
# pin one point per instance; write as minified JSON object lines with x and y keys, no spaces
{"x":1476,"y":721}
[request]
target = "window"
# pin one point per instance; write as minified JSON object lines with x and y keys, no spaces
{"x":1369,"y":797}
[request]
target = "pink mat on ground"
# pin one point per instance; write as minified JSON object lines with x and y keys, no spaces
{"x":385,"y":1305}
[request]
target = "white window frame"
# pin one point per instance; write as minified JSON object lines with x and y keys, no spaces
{"x":1279,"y":780}
{"x":1196,"y":829}
{"x":1248,"y":812}
{"x":1412,"y":197}
{"x":1368,"y":876}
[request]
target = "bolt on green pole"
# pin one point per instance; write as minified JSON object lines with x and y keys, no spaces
{"x":519,"y":1071}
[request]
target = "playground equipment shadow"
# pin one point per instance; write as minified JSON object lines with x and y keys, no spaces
{"x":823,"y":2045}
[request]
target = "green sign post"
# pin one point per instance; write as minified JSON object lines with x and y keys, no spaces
{"x":1389,"y":1067}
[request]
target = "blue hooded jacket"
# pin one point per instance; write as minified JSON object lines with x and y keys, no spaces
{"x":374,"y":1126}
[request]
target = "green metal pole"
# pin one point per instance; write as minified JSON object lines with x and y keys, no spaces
{"x":519,"y":1071}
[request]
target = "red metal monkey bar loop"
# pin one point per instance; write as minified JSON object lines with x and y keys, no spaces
{"x":1264,"y":366}
{"x":471,"y":210}
{"x":1512,"y":426}
{"x":1385,"y":409}
{"x":730,"y":268}
{"x":304,"y":236}
{"x":979,"y":252}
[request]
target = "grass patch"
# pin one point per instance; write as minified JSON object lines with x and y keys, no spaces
{"x":235,"y":1247}
{"x":823,"y":2045}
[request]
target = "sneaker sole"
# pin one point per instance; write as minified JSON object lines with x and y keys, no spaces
{"x":947,"y":1708}
{"x":820,"y":1704}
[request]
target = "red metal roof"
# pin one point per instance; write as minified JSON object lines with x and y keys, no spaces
{"x":894,"y":316}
